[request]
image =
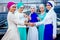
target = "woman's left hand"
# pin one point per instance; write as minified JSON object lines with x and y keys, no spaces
{"x":54,"y":37}
{"x":25,"y":15}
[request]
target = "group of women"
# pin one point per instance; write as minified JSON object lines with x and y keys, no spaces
{"x":42,"y":26}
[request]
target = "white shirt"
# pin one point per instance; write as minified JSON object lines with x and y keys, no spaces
{"x":21,"y":17}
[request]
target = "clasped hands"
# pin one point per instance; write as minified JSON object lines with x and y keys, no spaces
{"x":29,"y":24}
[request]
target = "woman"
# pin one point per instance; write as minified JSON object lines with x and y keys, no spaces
{"x":22,"y":17}
{"x":49,"y":22}
{"x":33,"y":32}
{"x":12,"y":33}
{"x":41,"y":17}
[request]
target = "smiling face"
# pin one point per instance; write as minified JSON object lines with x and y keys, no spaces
{"x":42,"y":9}
{"x":21,"y":9}
{"x":48,"y":6}
{"x":32,"y":9}
{"x":13,"y":8}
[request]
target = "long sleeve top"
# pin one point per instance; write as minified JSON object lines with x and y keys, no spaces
{"x":13,"y":21}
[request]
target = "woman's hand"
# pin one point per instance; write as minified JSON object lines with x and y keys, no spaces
{"x":26,"y":23}
{"x":25,"y":15}
{"x":38,"y":18}
{"x":54,"y":37}
{"x":31,"y":24}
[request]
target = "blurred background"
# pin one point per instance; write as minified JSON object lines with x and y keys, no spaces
{"x":27,"y":4}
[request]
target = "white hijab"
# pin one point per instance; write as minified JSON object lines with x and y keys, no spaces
{"x":52,"y":2}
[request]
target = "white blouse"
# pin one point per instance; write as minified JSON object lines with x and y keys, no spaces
{"x":21,"y":17}
{"x":13,"y":21}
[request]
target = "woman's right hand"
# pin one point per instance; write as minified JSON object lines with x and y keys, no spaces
{"x":25,"y":23}
{"x":31,"y":24}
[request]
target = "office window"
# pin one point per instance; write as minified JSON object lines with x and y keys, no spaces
{"x":3,"y":1}
{"x":57,"y":2}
